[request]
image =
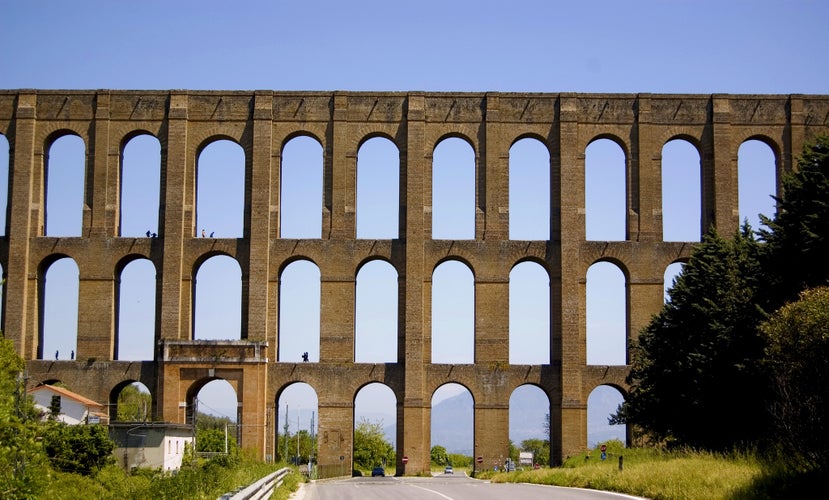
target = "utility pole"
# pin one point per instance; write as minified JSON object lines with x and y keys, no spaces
{"x":286,"y":432}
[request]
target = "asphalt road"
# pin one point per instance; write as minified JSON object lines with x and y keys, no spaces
{"x":441,"y":487}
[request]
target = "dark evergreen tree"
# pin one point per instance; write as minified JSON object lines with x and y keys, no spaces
{"x":695,"y":377}
{"x":797,"y":239}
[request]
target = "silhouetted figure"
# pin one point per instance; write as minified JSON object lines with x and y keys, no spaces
{"x":155,"y":235}
{"x":57,"y":354}
{"x":202,"y":233}
{"x":211,"y":233}
{"x":148,"y":233}
{"x":305,"y":356}
{"x":72,"y":356}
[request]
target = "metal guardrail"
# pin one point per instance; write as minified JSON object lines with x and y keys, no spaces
{"x":261,"y":488}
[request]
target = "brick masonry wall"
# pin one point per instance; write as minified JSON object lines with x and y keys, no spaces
{"x":261,"y":122}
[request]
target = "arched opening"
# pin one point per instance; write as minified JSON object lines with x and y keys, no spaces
{"x":606,"y":315}
{"x":375,"y":332}
{"x":140,"y":186}
{"x":529,"y":190}
{"x":453,"y":190}
{"x":681,"y":192}
{"x":135,"y":332}
{"x":220,"y":198}
{"x":5,"y":182}
{"x":131,"y":401}
{"x":603,"y":402}
{"x":299,"y":312}
{"x":218,"y":300}
{"x":375,"y":428}
{"x":529,"y":315}
{"x":300,"y":208}
{"x":65,"y":170}
{"x":452,"y":425}
{"x":669,"y":278}
{"x":529,"y":428}
{"x":378,"y":189}
{"x":453,"y":313}
{"x":297,"y":419}
{"x":217,"y":411}
{"x":59,"y":320}
{"x":757,"y":182}
{"x":605,"y":188}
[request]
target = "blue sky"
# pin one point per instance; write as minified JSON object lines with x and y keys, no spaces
{"x":652,"y":46}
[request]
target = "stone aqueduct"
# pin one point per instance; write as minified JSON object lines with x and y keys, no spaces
{"x":261,"y":122}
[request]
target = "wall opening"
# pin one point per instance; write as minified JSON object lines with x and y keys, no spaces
{"x":529,"y":315}
{"x":378,"y":189}
{"x":375,"y":332}
{"x":529,"y":190}
{"x":606,"y":315}
{"x":217,"y":312}
{"x":757,"y":181}
{"x":669,"y":278}
{"x":140,"y":186}
{"x":5,"y":182}
{"x":131,"y":401}
{"x":453,"y":190}
{"x":375,"y":410}
{"x":681,"y":192}
{"x":453,"y":421}
{"x":135,"y":333}
{"x":215,"y":405}
{"x":300,"y":207}
{"x":529,"y":410}
{"x":299,"y":312}
{"x":453,"y":313}
{"x":603,"y":402}
{"x":605,"y":188}
{"x":65,"y":170}
{"x":220,"y":198}
{"x":297,"y":420}
{"x":59,"y":320}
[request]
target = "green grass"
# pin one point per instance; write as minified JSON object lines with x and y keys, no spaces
{"x":208,"y":480}
{"x":662,"y":475}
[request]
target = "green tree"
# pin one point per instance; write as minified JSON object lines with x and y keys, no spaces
{"x":213,"y":440}
{"x":307,"y":446}
{"x":23,"y":467}
{"x":438,"y":455}
{"x":134,"y":405}
{"x":796,"y":355}
{"x":797,"y":239}
{"x":81,"y":449}
{"x":695,"y":377}
{"x":370,"y":445}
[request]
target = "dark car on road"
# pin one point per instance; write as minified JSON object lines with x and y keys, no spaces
{"x":378,"y":471}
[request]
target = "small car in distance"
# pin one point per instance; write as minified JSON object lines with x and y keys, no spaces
{"x":448,"y":470}
{"x":378,"y":471}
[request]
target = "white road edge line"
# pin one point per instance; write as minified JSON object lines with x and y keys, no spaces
{"x":432,"y":491}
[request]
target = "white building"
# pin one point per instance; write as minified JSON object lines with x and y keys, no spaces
{"x":154,"y":445}
{"x":72,"y":408}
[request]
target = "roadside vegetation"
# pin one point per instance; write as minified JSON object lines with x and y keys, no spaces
{"x":660,"y":474}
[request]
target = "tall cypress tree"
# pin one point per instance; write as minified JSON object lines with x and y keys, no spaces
{"x":695,"y":374}
{"x":797,"y":239}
